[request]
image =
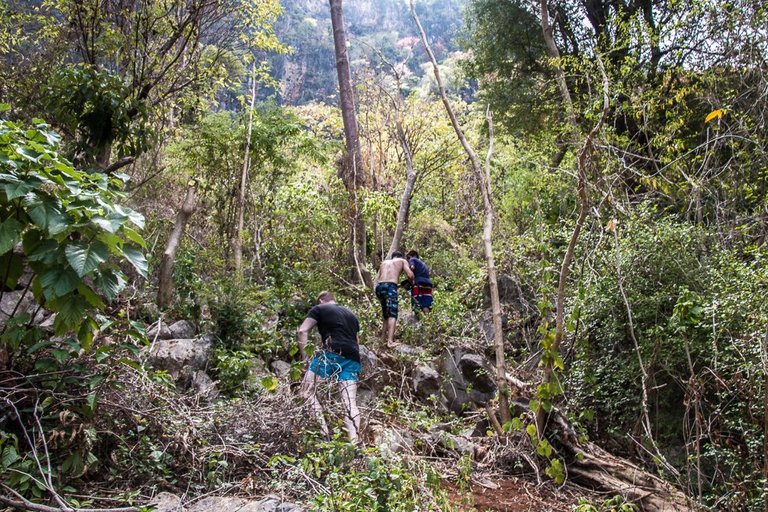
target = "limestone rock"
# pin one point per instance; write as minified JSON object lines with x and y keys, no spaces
{"x":181,"y":357}
{"x":479,"y":377}
{"x":459,"y":444}
{"x":267,"y":504}
{"x":425,"y":382}
{"x":17,"y":303}
{"x":183,"y":329}
{"x":369,"y":362}
{"x":391,"y":441}
{"x":159,"y":331}
{"x":281,"y":368}
{"x":403,"y":350}
{"x":204,"y":385}
{"x":166,"y":502}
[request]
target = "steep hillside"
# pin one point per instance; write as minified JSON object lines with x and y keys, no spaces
{"x":377,"y":28}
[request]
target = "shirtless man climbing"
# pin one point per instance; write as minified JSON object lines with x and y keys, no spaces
{"x":386,"y":291}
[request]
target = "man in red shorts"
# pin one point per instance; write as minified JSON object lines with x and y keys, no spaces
{"x":421,"y":292}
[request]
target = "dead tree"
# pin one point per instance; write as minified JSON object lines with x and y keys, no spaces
{"x":485,"y":189}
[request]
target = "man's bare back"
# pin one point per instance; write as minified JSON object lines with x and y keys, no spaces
{"x":389,"y":271}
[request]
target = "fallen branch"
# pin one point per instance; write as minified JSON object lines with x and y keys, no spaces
{"x":25,"y":504}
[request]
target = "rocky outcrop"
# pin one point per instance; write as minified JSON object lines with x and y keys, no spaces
{"x":20,"y":302}
{"x":166,"y":502}
{"x":181,"y":358}
{"x":425,"y":382}
{"x":467,"y":381}
{"x":183,"y":329}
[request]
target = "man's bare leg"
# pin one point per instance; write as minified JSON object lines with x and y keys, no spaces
{"x":348,"y":392}
{"x":389,"y":329}
{"x":307,"y":392}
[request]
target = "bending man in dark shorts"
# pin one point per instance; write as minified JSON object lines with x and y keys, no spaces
{"x":386,"y":291}
{"x":338,"y":359}
{"x":421,"y":292}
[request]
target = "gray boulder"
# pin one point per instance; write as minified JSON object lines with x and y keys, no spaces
{"x":181,"y":357}
{"x":458,"y":444}
{"x":219,"y":504}
{"x":204,"y":386}
{"x":391,"y":441}
{"x":369,"y":362}
{"x":166,"y":502}
{"x":425,"y":382}
{"x":180,"y":330}
{"x":468,"y":380}
{"x":479,"y":378}
{"x":281,"y":368}
{"x":159,"y":331}
{"x":17,"y":302}
{"x":183,"y":329}
{"x":405,"y":351}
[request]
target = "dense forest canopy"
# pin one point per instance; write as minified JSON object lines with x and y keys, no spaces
{"x":587,"y":182}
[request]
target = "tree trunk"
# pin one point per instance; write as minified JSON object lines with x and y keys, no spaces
{"x":599,"y":470}
{"x":552,"y":354}
{"x":237,"y":241}
{"x":485,"y":189}
{"x":352,"y":170}
{"x":592,"y":467}
{"x":165,"y":280}
{"x":405,"y":202}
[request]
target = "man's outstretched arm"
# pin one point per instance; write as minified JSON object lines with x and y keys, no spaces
{"x":303,"y":335}
{"x":407,"y":270}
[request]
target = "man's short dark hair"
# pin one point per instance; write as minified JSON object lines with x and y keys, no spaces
{"x":397,"y":254}
{"x":412,"y":254}
{"x":325,"y":297}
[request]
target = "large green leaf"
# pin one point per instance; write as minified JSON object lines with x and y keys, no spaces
{"x":89,"y":295}
{"x":134,"y":236}
{"x":66,"y":169}
{"x":85,"y":258}
{"x":113,"y":242}
{"x":110,"y":223}
{"x":109,"y":283}
{"x":39,"y":249}
{"x":46,"y":213}
{"x":28,"y":153}
{"x":58,"y":281}
{"x":10,"y":234}
{"x":137,"y":259}
{"x":134,"y":216}
{"x":70,"y":311}
{"x":9,"y":456}
{"x":21,"y":188}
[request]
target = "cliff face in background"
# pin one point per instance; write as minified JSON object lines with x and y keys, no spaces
{"x":374,"y":27}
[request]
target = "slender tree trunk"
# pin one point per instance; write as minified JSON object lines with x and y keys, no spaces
{"x":237,"y":242}
{"x":410,"y":180}
{"x":352,"y":171}
{"x":553,"y":359}
{"x":501,"y":370}
{"x":165,"y":281}
{"x":485,"y":188}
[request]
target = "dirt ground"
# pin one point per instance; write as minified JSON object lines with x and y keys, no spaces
{"x":515,"y":495}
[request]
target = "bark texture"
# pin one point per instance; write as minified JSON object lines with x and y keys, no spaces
{"x":405,"y":201}
{"x":352,"y":172}
{"x":165,"y":280}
